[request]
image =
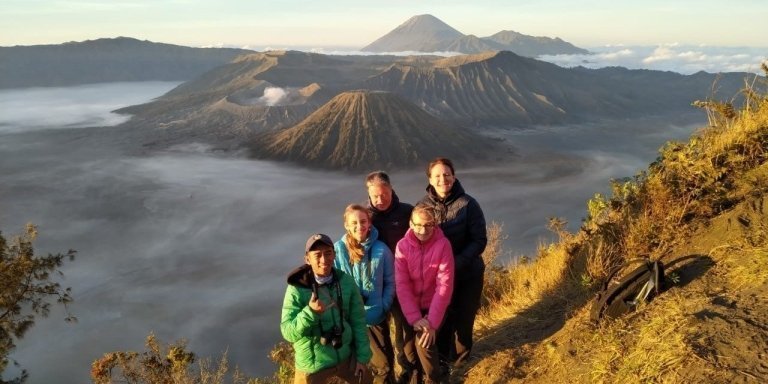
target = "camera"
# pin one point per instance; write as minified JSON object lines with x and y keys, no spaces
{"x":332,"y":337}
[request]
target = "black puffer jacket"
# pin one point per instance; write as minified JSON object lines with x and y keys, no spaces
{"x":392,"y":223}
{"x":463,"y":223}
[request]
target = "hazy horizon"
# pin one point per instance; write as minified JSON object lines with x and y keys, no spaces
{"x":192,"y":243}
{"x":349,"y":23}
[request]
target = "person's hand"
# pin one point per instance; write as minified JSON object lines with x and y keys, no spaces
{"x":427,"y":337}
{"x":421,"y":324}
{"x":318,"y":306}
{"x":359,"y":370}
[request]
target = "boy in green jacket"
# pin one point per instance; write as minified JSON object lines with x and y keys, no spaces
{"x":323,"y":317}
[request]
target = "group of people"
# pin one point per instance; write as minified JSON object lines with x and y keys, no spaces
{"x":418,"y":267}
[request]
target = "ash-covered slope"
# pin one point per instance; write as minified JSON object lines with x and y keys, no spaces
{"x":254,"y":93}
{"x":270,"y":91}
{"x":365,"y":130}
{"x":504,"y":88}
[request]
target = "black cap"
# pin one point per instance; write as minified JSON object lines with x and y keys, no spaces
{"x":315,"y":238}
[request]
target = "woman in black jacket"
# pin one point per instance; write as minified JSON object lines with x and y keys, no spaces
{"x":462,"y":221}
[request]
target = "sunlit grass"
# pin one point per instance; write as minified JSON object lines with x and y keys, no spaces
{"x":648,"y":215}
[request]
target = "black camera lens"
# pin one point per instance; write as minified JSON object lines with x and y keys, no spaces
{"x":333,"y":338}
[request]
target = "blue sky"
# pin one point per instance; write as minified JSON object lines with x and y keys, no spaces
{"x":355,"y":23}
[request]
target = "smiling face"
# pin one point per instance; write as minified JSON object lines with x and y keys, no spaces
{"x":423,"y":225}
{"x":320,"y":258}
{"x":357,"y":222}
{"x":441,"y":179}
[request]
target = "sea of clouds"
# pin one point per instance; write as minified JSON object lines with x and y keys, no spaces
{"x":685,"y":59}
{"x":675,"y":57}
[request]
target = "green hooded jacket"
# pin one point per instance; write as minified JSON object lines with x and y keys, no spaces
{"x":302,"y":327}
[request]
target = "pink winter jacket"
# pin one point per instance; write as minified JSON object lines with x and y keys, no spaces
{"x":424,"y":277}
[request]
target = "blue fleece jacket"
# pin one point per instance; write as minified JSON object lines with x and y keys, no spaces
{"x":374,"y":275}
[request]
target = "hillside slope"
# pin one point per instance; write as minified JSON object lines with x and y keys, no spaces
{"x":700,"y":209}
{"x":490,"y":88}
{"x":368,"y":130}
{"x":232,"y":100}
{"x":106,"y":60}
{"x":505,"y":88}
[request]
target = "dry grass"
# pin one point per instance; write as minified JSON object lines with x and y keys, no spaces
{"x":648,"y":215}
{"x":522,"y":285}
{"x":648,"y":347}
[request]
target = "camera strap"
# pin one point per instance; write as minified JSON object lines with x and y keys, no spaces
{"x":339,"y":301}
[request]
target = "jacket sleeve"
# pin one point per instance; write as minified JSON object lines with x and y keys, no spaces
{"x":361,"y":345}
{"x":477,"y":237}
{"x":297,"y":319}
{"x":443,"y":286}
{"x":405,"y":288}
{"x":389,"y":278}
{"x":379,"y":303}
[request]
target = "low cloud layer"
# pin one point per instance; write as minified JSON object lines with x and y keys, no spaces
{"x":685,"y":59}
{"x":72,"y":107}
{"x":678,"y":58}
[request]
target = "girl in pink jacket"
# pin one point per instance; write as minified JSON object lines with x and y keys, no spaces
{"x":424,"y":283}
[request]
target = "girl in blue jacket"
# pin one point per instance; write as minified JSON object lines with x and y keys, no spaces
{"x":369,"y":261}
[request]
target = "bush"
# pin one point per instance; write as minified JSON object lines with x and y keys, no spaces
{"x":26,"y":289}
{"x":163,"y":364}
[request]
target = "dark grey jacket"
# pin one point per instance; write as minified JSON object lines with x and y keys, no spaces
{"x":463,"y":223}
{"x":392,"y":223}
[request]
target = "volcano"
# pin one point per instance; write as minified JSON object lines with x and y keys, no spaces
{"x":365,"y":129}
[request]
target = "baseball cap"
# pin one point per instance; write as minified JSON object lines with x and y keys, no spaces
{"x":318,"y":237}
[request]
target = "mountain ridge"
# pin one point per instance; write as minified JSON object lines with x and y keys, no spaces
{"x":427,"y":33}
{"x":106,"y":60}
{"x":492,"y":88}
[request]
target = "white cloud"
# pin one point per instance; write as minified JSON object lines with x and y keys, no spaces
{"x":669,"y":57}
{"x":80,"y":106}
{"x":674,"y":57}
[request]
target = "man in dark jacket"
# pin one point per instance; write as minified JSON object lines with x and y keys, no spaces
{"x":324,"y":319}
{"x":390,"y":216}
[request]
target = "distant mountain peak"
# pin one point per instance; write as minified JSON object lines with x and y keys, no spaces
{"x":419,"y":33}
{"x":428,"y":22}
{"x":427,"y":33}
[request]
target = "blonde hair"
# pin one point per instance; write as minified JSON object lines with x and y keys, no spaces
{"x":424,"y":210}
{"x":355,"y":249}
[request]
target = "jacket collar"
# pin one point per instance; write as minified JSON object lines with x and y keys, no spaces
{"x":392,"y":205}
{"x":372,"y":236}
{"x":456,"y":191}
{"x":303,"y":277}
